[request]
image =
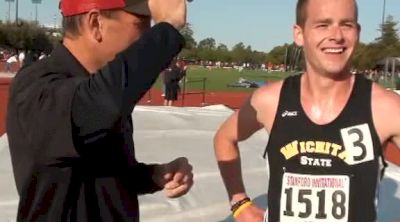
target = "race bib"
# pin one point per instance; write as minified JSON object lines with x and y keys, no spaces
{"x":312,"y":198}
{"x":358,"y":143}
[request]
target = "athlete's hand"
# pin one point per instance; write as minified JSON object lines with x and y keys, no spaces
{"x":171,"y":11}
{"x":251,"y":214}
{"x":176,"y":177}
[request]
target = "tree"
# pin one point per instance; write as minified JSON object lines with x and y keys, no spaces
{"x":248,"y":55}
{"x":207,"y":54}
{"x":387,"y":45}
{"x":389,"y":42}
{"x":239,"y":47}
{"x":259,"y":57}
{"x":238,"y":52}
{"x":207,"y":43}
{"x":25,"y":36}
{"x":278,"y":54}
{"x":360,"y":59}
{"x":222,"y":47}
{"x":389,"y":33}
{"x":222,"y":53}
{"x":187,"y":34}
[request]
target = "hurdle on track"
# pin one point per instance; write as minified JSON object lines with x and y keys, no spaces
{"x":201,"y":92}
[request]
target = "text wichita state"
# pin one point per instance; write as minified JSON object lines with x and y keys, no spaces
{"x":321,"y":147}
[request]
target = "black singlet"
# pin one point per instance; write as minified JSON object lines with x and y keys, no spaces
{"x":323,"y":172}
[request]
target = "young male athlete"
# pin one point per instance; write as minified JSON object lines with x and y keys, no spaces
{"x":327,"y":128}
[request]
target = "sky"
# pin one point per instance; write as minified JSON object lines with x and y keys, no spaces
{"x":262,"y":24}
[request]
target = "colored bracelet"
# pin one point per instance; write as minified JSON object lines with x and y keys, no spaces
{"x":241,"y":208}
{"x":236,"y":205}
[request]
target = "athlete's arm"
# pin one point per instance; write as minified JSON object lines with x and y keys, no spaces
{"x":256,"y":113}
{"x":239,"y":126}
{"x":395,"y":120}
{"x":386,"y":114}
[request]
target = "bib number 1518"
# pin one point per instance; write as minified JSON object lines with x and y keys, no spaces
{"x":338,"y":210}
{"x":301,"y":201}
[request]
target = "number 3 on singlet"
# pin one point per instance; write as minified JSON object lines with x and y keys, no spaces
{"x":358,"y":144}
{"x":306,"y":198}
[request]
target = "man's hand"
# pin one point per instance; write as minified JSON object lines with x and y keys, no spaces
{"x":171,"y":11}
{"x":251,"y":214}
{"x":175,"y":177}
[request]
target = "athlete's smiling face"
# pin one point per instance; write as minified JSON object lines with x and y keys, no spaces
{"x":328,"y":36}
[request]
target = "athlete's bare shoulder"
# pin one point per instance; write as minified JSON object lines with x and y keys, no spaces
{"x":385,"y":99}
{"x":265,"y":101}
{"x":386,"y":112}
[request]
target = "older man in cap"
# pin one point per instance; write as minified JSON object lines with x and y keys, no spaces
{"x":69,"y":120}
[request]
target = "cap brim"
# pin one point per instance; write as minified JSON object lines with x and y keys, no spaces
{"x":140,"y":8}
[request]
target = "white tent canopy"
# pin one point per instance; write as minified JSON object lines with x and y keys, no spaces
{"x":389,"y":64}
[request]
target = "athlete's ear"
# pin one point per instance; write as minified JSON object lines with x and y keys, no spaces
{"x":298,"y":35}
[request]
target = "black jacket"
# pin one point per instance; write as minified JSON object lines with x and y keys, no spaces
{"x":70,"y":133}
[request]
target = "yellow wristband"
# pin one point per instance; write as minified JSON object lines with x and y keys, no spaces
{"x":241,"y":208}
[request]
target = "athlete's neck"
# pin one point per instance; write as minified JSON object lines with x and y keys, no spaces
{"x":324,"y":97}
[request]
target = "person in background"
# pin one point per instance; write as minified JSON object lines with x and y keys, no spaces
{"x":172,"y":77}
{"x":21,"y":58}
{"x":10,"y":62}
{"x":42,"y":55}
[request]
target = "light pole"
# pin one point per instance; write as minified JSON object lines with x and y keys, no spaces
{"x":55,"y":21}
{"x":36,"y":2}
{"x":16,"y":12}
{"x":383,"y":15}
{"x":36,"y":13}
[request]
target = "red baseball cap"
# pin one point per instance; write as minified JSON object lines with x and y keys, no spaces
{"x":76,"y":7}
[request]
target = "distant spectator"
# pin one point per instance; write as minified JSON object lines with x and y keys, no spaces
{"x":42,"y":56}
{"x":162,"y":76}
{"x":21,"y":58}
{"x":9,"y":63}
{"x":31,"y":57}
{"x":172,"y":77}
{"x":2,"y":55}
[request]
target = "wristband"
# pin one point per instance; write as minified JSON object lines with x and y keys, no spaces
{"x":241,"y":208}
{"x":236,"y":205}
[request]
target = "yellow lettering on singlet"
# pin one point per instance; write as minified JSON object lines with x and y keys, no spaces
{"x":320,"y":147}
{"x":302,"y":147}
{"x":290,"y":150}
{"x":344,"y":156}
{"x":327,"y":147}
{"x":335,"y":149}
{"x":310,"y":146}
